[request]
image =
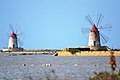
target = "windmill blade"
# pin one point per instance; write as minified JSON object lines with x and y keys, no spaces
{"x":11,"y":27}
{"x":85,"y":30}
{"x":18,"y":31}
{"x":20,"y":43}
{"x":17,"y":28}
{"x":20,"y":38}
{"x":106,"y":27}
{"x":20,"y":34}
{"x":99,"y":19}
{"x":88,"y":19}
{"x":99,"y":16}
{"x":104,"y":38}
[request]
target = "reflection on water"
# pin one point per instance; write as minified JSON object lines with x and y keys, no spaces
{"x":30,"y":67}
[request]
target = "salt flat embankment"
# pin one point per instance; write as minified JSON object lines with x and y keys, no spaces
{"x":88,"y":53}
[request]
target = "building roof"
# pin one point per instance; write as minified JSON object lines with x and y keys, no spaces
{"x":13,"y":35}
{"x":94,"y":28}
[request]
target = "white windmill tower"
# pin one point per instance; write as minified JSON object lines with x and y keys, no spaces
{"x":14,"y":38}
{"x":13,"y":43}
{"x":95,"y":35}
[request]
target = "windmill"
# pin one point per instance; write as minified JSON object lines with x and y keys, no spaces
{"x":95,"y":34}
{"x":14,"y":38}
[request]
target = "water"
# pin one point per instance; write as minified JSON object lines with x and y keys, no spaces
{"x":30,"y":67}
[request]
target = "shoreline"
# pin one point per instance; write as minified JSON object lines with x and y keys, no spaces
{"x":64,"y":53}
{"x":27,"y":53}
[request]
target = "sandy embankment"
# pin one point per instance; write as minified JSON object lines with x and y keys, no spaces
{"x":88,"y":53}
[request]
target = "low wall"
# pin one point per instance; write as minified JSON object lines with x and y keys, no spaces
{"x":88,"y":53}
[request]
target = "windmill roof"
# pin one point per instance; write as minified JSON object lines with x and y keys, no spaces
{"x":13,"y":35}
{"x":94,"y":28}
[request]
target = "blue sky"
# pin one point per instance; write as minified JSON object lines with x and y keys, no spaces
{"x":56,"y":24}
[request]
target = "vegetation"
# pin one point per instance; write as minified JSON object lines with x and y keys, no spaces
{"x":105,"y":76}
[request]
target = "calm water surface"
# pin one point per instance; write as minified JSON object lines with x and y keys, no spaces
{"x":62,"y":68}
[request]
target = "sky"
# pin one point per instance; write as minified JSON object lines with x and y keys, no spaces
{"x":56,"y":24}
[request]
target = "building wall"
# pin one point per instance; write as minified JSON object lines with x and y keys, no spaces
{"x":94,"y":38}
{"x":12,"y":43}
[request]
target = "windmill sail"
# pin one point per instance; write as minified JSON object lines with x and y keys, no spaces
{"x":95,"y":35}
{"x":14,"y":39}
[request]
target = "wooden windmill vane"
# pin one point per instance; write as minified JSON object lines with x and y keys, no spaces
{"x":95,"y":34}
{"x":14,"y":38}
{"x":15,"y":41}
